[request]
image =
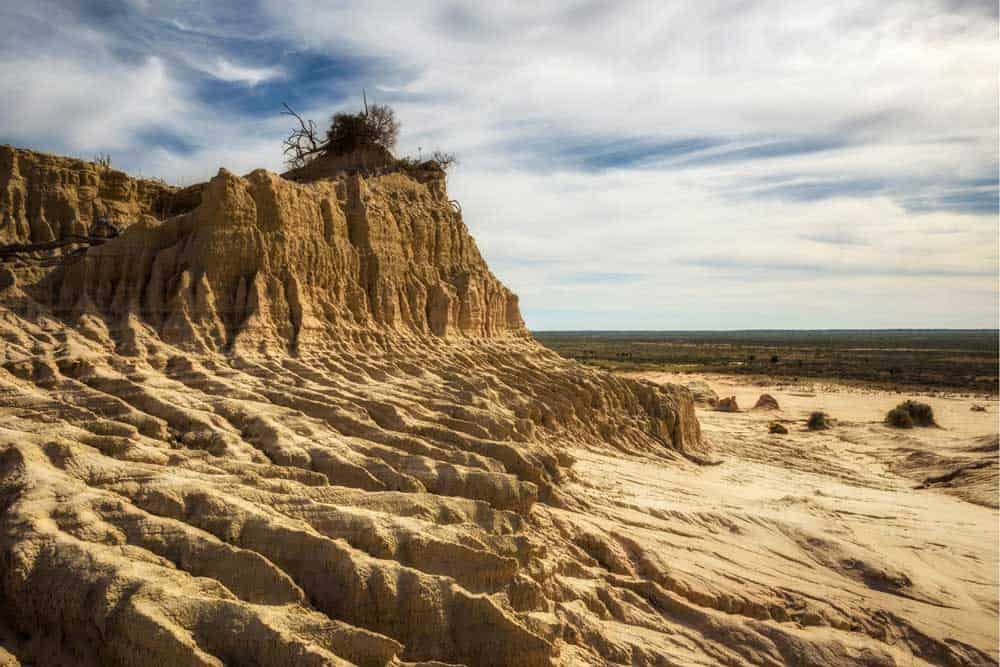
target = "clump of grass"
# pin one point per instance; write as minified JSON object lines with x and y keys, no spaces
{"x":910,"y":413}
{"x":775,"y":427}
{"x":818,"y":421}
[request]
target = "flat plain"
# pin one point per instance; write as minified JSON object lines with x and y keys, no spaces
{"x":925,"y":359}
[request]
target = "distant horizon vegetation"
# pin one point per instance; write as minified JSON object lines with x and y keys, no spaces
{"x":803,"y":330}
{"x":929,"y":359}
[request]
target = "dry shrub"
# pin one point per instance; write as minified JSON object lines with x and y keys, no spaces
{"x":818,"y":421}
{"x":351,"y":131}
{"x":899,"y":417}
{"x":910,"y":413}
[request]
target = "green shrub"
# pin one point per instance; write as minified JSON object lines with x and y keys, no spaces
{"x":916,"y":414}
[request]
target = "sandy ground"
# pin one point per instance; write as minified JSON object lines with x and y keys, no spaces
{"x":833,"y":518}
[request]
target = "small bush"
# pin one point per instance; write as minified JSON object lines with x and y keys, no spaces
{"x":775,"y":427}
{"x":818,"y":421}
{"x":920,"y":414}
{"x":899,"y":417}
{"x":445,"y":160}
{"x":350,"y":131}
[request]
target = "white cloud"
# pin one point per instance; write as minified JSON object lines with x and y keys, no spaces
{"x":83,"y":108}
{"x":227,"y":71}
{"x":899,"y":82}
{"x":898,"y":99}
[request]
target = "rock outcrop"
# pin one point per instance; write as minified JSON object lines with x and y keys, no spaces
{"x":46,"y":197}
{"x":727,"y":404}
{"x":703,"y":393}
{"x":301,"y":423}
{"x":766,"y":402}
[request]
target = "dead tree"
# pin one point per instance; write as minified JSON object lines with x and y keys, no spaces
{"x":303,"y":143}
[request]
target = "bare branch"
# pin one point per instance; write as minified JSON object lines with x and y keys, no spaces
{"x":303,"y":142}
{"x":444,"y":160}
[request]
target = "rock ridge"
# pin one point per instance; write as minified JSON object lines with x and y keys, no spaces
{"x":291,"y":423}
{"x":46,"y":197}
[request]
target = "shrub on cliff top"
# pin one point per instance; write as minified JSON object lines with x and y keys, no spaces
{"x":376,"y":126}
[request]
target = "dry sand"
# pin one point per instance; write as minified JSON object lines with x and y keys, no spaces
{"x":843,"y":518}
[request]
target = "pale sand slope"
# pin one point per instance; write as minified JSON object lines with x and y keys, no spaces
{"x":831,"y":518}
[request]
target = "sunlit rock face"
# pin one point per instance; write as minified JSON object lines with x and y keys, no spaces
{"x":297,"y":423}
{"x":48,"y":197}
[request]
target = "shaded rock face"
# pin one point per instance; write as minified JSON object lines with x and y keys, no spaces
{"x":304,"y":424}
{"x":47,"y":197}
{"x":766,"y":402}
{"x":727,"y":404}
{"x":703,"y":393}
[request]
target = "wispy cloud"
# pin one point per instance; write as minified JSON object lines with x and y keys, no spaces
{"x":228,"y":71}
{"x":637,"y":164}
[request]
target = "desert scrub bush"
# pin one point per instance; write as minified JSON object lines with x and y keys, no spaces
{"x":377,"y":125}
{"x":818,"y":421}
{"x":899,"y":417}
{"x":910,"y":413}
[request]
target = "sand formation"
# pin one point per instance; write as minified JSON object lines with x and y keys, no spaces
{"x":702,"y":393}
{"x":766,"y":402}
{"x":727,"y":404}
{"x":280,"y":422}
{"x":47,"y":197}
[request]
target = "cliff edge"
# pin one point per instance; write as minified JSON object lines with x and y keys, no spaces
{"x":300,"y":422}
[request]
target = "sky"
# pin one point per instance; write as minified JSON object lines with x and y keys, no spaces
{"x":622,"y":164}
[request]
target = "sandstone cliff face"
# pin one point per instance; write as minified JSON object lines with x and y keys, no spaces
{"x":46,"y":197}
{"x":301,"y":423}
{"x":267,"y":262}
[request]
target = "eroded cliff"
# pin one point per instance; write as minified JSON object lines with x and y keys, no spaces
{"x":302,"y":423}
{"x":47,"y":197}
{"x":267,"y":263}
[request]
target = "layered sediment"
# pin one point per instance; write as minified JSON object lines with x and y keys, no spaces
{"x":301,"y":422}
{"x":304,"y":410}
{"x":47,"y":197}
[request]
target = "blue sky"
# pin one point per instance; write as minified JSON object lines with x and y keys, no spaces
{"x":646,"y":165}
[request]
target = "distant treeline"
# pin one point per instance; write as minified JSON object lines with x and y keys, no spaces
{"x":965,"y":359}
